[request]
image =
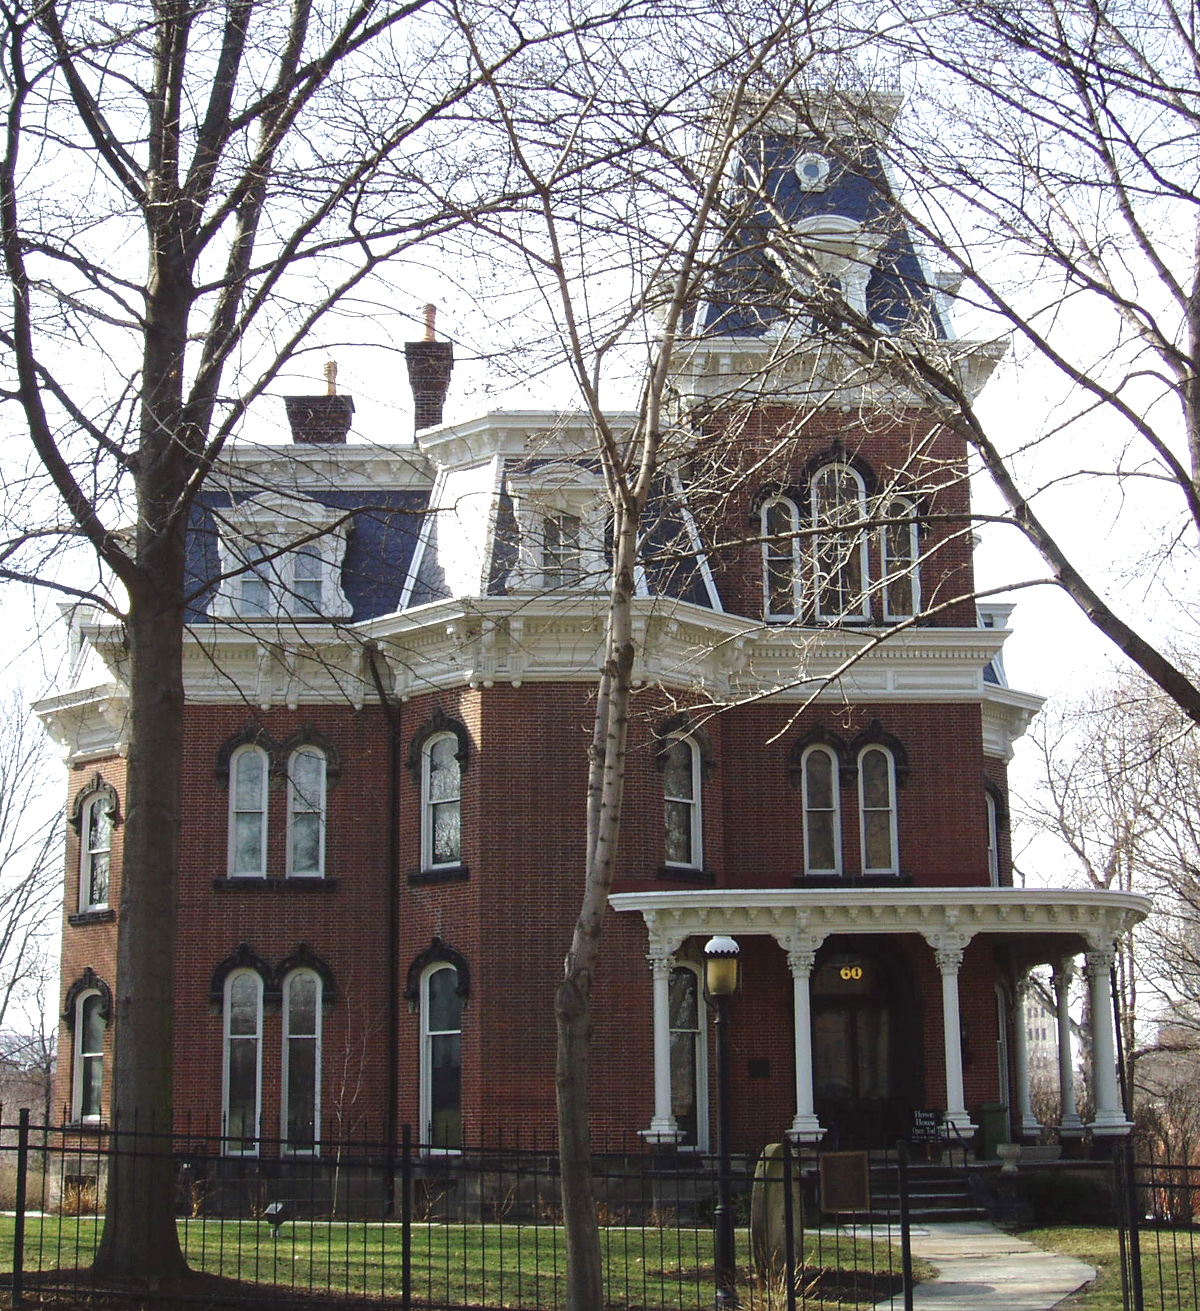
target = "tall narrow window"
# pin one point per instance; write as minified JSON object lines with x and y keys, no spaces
{"x":877,"y":805}
{"x":822,"y":812}
{"x":561,"y":551}
{"x":301,"y":1103}
{"x":840,"y":577}
{"x":248,"y":813}
{"x":993,"y":841}
{"x":306,"y":813}
{"x":441,"y":1058}
{"x":243,"y":1062}
{"x":88,"y":1074}
{"x":681,"y":796}
{"x":254,"y":592}
{"x":900,"y":554}
{"x":441,"y":818}
{"x":689,"y":1079}
{"x":781,"y":558}
{"x":306,"y":579}
{"x":95,"y":852}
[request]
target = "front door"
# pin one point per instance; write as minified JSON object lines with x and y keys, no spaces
{"x":866,"y":1063}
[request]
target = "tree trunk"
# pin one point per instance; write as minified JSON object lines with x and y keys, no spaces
{"x":140,"y":1241}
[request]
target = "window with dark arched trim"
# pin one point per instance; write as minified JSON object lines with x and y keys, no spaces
{"x":900,"y":555}
{"x":877,"y":810}
{"x":306,"y":813}
{"x":841,"y":581}
{"x":822,"y":811}
{"x":682,"y":803}
{"x":95,"y":851}
{"x":248,"y":774}
{"x":88,"y":1071}
{"x":242,"y":1099}
{"x":441,"y":802}
{"x":301,"y":1101}
{"x":780,"y":522}
{"x":441,"y":1058}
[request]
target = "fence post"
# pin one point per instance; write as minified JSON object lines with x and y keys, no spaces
{"x":1137,"y":1296}
{"x":789,"y":1221}
{"x":906,"y":1269}
{"x":406,"y":1219}
{"x":18,"y":1270}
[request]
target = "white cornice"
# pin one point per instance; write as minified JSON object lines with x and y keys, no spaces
{"x":802,"y":369}
{"x":1057,"y":920}
{"x":250,"y":467}
{"x":530,"y":434}
{"x":88,"y":722}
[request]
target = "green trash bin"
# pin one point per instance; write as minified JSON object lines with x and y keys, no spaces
{"x":993,"y":1128}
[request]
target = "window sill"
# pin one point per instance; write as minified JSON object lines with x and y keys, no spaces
{"x":852,"y":881}
{"x":275,"y":885}
{"x":86,"y":1126}
{"x":101,"y":915}
{"x":441,"y":874}
{"x":686,"y":874}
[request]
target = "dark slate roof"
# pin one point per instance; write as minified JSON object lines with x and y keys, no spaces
{"x":748,"y":294}
{"x":379,"y":550}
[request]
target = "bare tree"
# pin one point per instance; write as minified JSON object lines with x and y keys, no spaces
{"x":235,"y":174}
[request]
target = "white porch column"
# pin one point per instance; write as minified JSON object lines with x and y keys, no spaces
{"x":805,"y":1127}
{"x":1110,"y":1115}
{"x":1026,"y":1118}
{"x":663,"y":1128}
{"x":1070,"y":1124}
{"x":949,"y":962}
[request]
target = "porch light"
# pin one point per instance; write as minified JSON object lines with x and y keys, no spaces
{"x":722,"y":966}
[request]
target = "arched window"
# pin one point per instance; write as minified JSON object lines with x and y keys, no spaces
{"x":993,"y":840}
{"x":841,"y":581}
{"x":95,"y":851}
{"x":301,"y":1100}
{"x":822,"y":811}
{"x":242,"y":1074}
{"x":877,"y":809}
{"x":306,"y":813}
{"x":88,"y":1070}
{"x":681,"y":799}
{"x":441,"y":1058}
{"x":689,"y":1074}
{"x":441,"y":802}
{"x":248,"y":812}
{"x":781,"y":558}
{"x":900,"y":553}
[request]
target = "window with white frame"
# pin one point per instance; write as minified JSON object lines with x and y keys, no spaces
{"x":780,"y":522}
{"x":248,"y":777}
{"x":88,"y":1069}
{"x":242,"y":1072}
{"x":689,"y":1050}
{"x":441,"y":1058}
{"x":822,"y":811}
{"x":301,"y":1101}
{"x":877,"y":810}
{"x":281,"y":556}
{"x":684,"y":830}
{"x":95,"y":851}
{"x":841,"y":580}
{"x":441,"y":802}
{"x":993,"y":840}
{"x":306,"y":813}
{"x":900,"y":555}
{"x":562,"y":550}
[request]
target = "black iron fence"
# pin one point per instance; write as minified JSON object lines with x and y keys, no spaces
{"x":477,"y":1227}
{"x":1159,"y":1231}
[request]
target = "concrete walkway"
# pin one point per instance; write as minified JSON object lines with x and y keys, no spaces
{"x":980,"y":1268}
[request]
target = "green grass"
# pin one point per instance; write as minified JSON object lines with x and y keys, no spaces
{"x":501,"y":1265}
{"x":1170,"y":1266}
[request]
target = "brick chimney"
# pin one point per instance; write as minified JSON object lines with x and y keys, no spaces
{"x":429,"y":365}
{"x":320,"y":420}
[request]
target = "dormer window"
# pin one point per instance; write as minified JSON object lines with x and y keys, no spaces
{"x":281,"y":558}
{"x":829,"y":255}
{"x":560,"y":513}
{"x":562,"y":559}
{"x":840,"y":570}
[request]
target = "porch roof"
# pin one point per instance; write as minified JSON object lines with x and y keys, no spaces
{"x":1041,"y":922}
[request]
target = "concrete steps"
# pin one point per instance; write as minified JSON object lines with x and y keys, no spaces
{"x":935,"y":1194}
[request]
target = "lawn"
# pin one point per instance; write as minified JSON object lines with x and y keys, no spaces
{"x":501,"y":1265}
{"x":1170,"y":1266}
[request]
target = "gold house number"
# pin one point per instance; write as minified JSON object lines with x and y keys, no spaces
{"x":852,"y":972}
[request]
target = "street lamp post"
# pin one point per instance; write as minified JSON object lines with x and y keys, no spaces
{"x":722,"y":976}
